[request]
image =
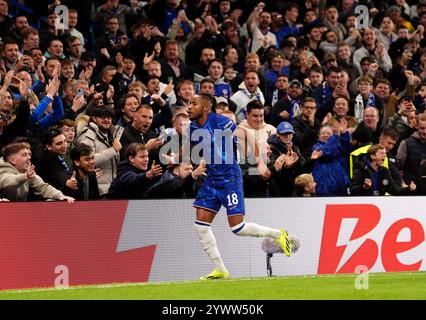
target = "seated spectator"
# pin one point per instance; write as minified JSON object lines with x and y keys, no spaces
{"x":84,"y":173}
{"x":371,"y":178}
{"x":330,"y":154}
{"x":18,"y":176}
{"x":305,"y":185}
{"x":133,"y":177}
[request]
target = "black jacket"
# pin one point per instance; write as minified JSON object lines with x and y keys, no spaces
{"x":130,"y":183}
{"x":283,"y":181}
{"x":172,"y":187}
{"x":385,"y":183}
{"x":93,"y":187}
{"x":52,"y":170}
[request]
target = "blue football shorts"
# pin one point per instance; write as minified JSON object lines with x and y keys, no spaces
{"x":230,"y":195}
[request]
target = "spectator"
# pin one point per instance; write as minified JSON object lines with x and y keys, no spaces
{"x":104,"y":138}
{"x":53,"y":168}
{"x":331,"y":22}
{"x":179,"y":181}
{"x":373,"y":179}
{"x":172,"y":67}
{"x":285,"y":162}
{"x":306,"y":127}
{"x":129,"y":103}
{"x":121,"y":11}
{"x":288,"y":108}
{"x":84,"y":173}
{"x":67,"y":128}
{"x":133,"y":177}
{"x":368,"y":129}
{"x":18,"y":176}
{"x":305,"y":185}
{"x":330,"y":154}
{"x":258,"y":24}
{"x":139,"y":131}
{"x":374,"y":49}
{"x":411,"y":151}
{"x":72,"y":24}
{"x":404,"y":121}
{"x":365,"y":98}
{"x":255,"y":128}
{"x":249,"y":90}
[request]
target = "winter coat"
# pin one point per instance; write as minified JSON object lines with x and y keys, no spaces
{"x":381,"y":179}
{"x":130,"y":183}
{"x":106,"y":157}
{"x":172,"y":187}
{"x":15,"y":187}
{"x":331,"y":169}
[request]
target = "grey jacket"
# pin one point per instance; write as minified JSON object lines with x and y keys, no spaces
{"x":15,"y":187}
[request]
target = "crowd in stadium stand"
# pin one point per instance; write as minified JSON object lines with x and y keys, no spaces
{"x":335,"y":103}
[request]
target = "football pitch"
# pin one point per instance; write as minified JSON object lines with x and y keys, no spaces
{"x":380,"y":286}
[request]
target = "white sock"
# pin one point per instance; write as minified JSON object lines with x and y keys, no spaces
{"x":249,"y":229}
{"x":208,"y":241}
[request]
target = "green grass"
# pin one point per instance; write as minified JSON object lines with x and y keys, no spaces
{"x":381,"y":286}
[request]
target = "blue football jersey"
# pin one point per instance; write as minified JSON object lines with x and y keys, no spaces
{"x":215,"y":143}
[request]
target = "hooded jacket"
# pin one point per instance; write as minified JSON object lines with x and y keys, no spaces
{"x":15,"y":187}
{"x":242,"y":97}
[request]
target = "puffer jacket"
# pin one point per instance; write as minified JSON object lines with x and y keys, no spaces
{"x":106,"y":157}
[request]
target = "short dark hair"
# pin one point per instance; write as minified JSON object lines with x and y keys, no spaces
{"x":124,"y":98}
{"x":51,"y":134}
{"x":391,"y":133}
{"x":207,"y":97}
{"x":254,"y":104}
{"x":333,"y":69}
{"x":79,"y":150}
{"x":205,"y":80}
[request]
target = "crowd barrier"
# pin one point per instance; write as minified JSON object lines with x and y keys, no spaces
{"x":46,"y":244}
